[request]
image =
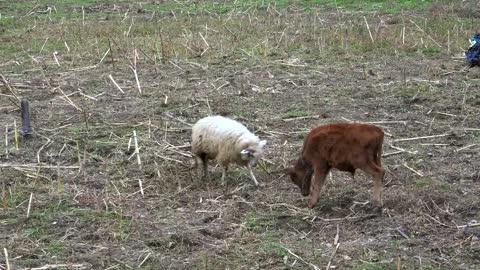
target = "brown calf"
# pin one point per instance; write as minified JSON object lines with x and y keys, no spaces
{"x":344,"y":146}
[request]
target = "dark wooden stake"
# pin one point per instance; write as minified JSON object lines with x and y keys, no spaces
{"x":26,"y":128}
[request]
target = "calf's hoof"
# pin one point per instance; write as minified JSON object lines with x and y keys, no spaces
{"x":311,"y":204}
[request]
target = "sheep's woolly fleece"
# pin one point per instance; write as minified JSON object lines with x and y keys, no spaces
{"x":223,"y":139}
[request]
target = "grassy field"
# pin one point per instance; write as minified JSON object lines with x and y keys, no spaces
{"x":76,"y":195}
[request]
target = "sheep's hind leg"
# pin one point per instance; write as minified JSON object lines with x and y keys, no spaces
{"x":205,"y":166}
{"x":252,"y":176}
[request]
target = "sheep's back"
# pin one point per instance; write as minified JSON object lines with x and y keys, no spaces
{"x":212,"y":134}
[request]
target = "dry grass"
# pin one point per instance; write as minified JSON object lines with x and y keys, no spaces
{"x":105,"y":182}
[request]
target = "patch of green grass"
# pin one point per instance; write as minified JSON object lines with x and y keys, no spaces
{"x":369,"y":47}
{"x":10,"y":49}
{"x":442,"y":24}
{"x":37,"y":45}
{"x":258,"y":223}
{"x":292,"y":46}
{"x":41,"y":219}
{"x":75,"y":129}
{"x":89,"y":215}
{"x":429,"y":267}
{"x":350,"y":4}
{"x":15,"y":198}
{"x":10,"y":24}
{"x":56,"y":247}
{"x":445,"y":188}
{"x":251,"y":221}
{"x":375,"y":266}
{"x":8,"y":221}
{"x":476,"y":136}
{"x":219,"y":8}
{"x":51,"y":9}
{"x":422,"y":182}
{"x":378,"y":5}
{"x":216,"y":8}
{"x":35,"y":232}
{"x":278,"y":249}
{"x":101,"y":147}
{"x":122,"y":226}
{"x":301,"y":136}
{"x":165,"y":107}
{"x":294,"y":113}
{"x":431,"y":51}
{"x":410,"y":91}
{"x":49,"y":212}
{"x":165,"y":7}
{"x":400,"y":242}
{"x":245,"y":114}
{"x":306,"y":5}
{"x":104,"y":142}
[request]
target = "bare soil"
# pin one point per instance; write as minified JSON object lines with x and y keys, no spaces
{"x":113,"y":213}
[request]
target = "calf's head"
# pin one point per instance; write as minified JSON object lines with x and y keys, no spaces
{"x":301,"y":175}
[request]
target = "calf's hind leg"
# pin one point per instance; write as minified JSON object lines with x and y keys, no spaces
{"x":378,"y":174}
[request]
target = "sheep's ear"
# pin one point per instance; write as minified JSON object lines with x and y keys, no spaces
{"x":245,"y":154}
{"x":245,"y":151}
{"x":262,"y":143}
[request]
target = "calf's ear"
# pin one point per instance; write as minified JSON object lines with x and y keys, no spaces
{"x":289,"y":171}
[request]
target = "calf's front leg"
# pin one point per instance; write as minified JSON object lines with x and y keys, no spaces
{"x":320,"y":173}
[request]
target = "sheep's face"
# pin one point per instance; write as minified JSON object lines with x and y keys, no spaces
{"x":253,"y":153}
{"x":301,"y":175}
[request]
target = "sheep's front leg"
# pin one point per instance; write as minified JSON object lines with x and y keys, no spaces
{"x":252,"y":176}
{"x":320,"y":173}
{"x":224,"y":173}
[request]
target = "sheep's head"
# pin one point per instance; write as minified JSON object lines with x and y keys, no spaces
{"x":252,"y":153}
{"x":301,"y":175}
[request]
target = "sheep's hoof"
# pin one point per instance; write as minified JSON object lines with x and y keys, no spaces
{"x":378,"y":210}
{"x":255,"y":183}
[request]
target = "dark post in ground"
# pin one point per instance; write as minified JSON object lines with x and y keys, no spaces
{"x":26,"y":129}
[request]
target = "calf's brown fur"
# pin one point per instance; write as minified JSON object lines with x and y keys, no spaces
{"x":344,"y":146}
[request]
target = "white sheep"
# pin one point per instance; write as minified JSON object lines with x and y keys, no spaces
{"x":227,"y":141}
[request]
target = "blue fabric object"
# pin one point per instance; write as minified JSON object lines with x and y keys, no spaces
{"x":473,"y":52}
